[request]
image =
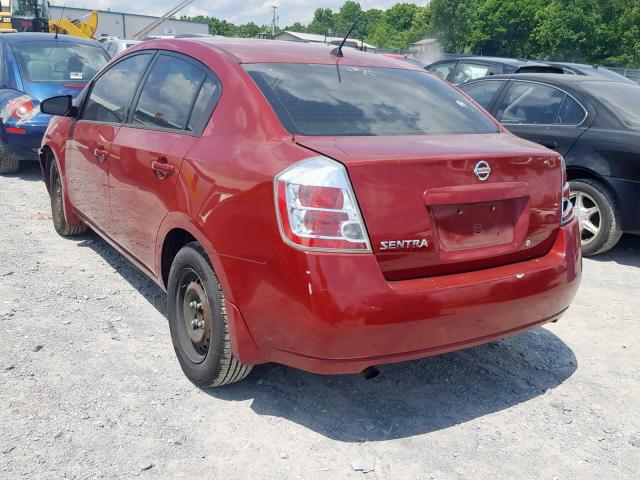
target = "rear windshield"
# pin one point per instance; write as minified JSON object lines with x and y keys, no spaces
{"x":623,"y":99}
{"x":51,"y":61}
{"x":312,"y":99}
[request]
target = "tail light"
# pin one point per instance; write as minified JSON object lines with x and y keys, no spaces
{"x":317,"y":209}
{"x":20,"y":108}
{"x":567,"y":206}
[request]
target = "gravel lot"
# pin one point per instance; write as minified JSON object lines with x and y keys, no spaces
{"x":90,"y":387}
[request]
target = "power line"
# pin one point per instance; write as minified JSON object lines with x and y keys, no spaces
{"x":274,"y":20}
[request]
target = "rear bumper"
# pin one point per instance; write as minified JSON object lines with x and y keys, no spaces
{"x":330,"y":313}
{"x":24,"y":140}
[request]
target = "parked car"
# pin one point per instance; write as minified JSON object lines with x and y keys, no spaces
{"x":114,"y":47}
{"x":34,"y":66}
{"x":329,"y":215}
{"x":406,"y":58}
{"x":591,"y":70}
{"x":595,"y":123}
{"x":464,"y":69}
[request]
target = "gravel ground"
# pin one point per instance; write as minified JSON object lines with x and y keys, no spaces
{"x":90,"y":387}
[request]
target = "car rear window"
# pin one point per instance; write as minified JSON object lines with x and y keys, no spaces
{"x":623,"y":99}
{"x":333,"y":100}
{"x":56,"y":61}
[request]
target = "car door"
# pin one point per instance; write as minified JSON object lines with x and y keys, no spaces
{"x":103,"y":110}
{"x":543,"y":114}
{"x":170,"y":111}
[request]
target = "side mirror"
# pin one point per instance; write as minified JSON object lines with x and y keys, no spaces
{"x":61,"y":106}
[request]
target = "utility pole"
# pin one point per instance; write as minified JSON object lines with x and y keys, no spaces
{"x":274,"y":20}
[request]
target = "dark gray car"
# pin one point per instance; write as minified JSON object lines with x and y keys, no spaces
{"x":594,"y":123}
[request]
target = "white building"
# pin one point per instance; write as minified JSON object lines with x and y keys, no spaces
{"x":125,"y":25}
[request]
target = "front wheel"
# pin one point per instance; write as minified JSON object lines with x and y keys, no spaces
{"x":198,"y":321}
{"x":595,"y":209}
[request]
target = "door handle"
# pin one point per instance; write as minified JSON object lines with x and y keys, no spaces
{"x":162,"y":168}
{"x":100,"y":153}
{"x":552,"y":145}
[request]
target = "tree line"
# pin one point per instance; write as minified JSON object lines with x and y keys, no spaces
{"x":591,"y":31}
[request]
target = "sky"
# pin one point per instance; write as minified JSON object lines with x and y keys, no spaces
{"x":236,"y":11}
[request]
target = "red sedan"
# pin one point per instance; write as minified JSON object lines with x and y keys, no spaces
{"x":329,"y":212}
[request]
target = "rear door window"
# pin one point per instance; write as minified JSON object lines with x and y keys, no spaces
{"x":571,"y":112}
{"x":206,"y":100}
{"x":483,"y":92}
{"x":466,"y":71}
{"x":443,"y":70}
{"x":531,"y":104}
{"x":168,"y":94}
{"x":112,"y":93}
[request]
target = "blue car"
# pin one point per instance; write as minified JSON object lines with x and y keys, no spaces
{"x":33,"y":67}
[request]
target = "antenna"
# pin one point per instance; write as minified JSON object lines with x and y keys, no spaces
{"x":338,"y":50}
{"x":57,"y":27}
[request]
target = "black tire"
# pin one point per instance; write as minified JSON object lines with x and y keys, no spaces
{"x":609,"y":232}
{"x":9,"y":163}
{"x":204,"y":349}
{"x":57,"y":211}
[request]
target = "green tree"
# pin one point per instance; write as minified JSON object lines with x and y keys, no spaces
{"x":568,"y":30}
{"x":297,"y":27}
{"x":248,"y":30}
{"x":322,"y":22}
{"x":504,"y":28}
{"x":349,"y":13}
{"x":400,"y":16}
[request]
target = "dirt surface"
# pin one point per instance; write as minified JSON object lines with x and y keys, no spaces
{"x":90,"y":387}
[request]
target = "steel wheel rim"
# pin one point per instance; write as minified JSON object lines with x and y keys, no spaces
{"x":194,"y":322}
{"x":588,"y":214}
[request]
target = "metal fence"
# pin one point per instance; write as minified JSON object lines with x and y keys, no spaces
{"x":631,"y":73}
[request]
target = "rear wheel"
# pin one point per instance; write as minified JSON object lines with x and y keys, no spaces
{"x":595,"y":209}
{"x":198,"y":321}
{"x":57,"y":211}
{"x":9,"y":163}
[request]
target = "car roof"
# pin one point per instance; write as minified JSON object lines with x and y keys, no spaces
{"x":570,"y":64}
{"x":18,"y":37}
{"x":280,"y":51}
{"x":502,"y":60}
{"x":555,"y":78}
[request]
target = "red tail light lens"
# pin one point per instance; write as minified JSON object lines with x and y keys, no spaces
{"x":567,"y":206}
{"x":20,"y":108}
{"x":317,"y":209}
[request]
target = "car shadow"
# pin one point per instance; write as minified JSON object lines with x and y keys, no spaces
{"x":406,"y":399}
{"x":29,"y":171}
{"x":410,"y":398}
{"x":626,"y":252}
{"x":138,"y":280}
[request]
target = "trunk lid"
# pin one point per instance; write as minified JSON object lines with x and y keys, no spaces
{"x":427,"y":212}
{"x":44,"y":90}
